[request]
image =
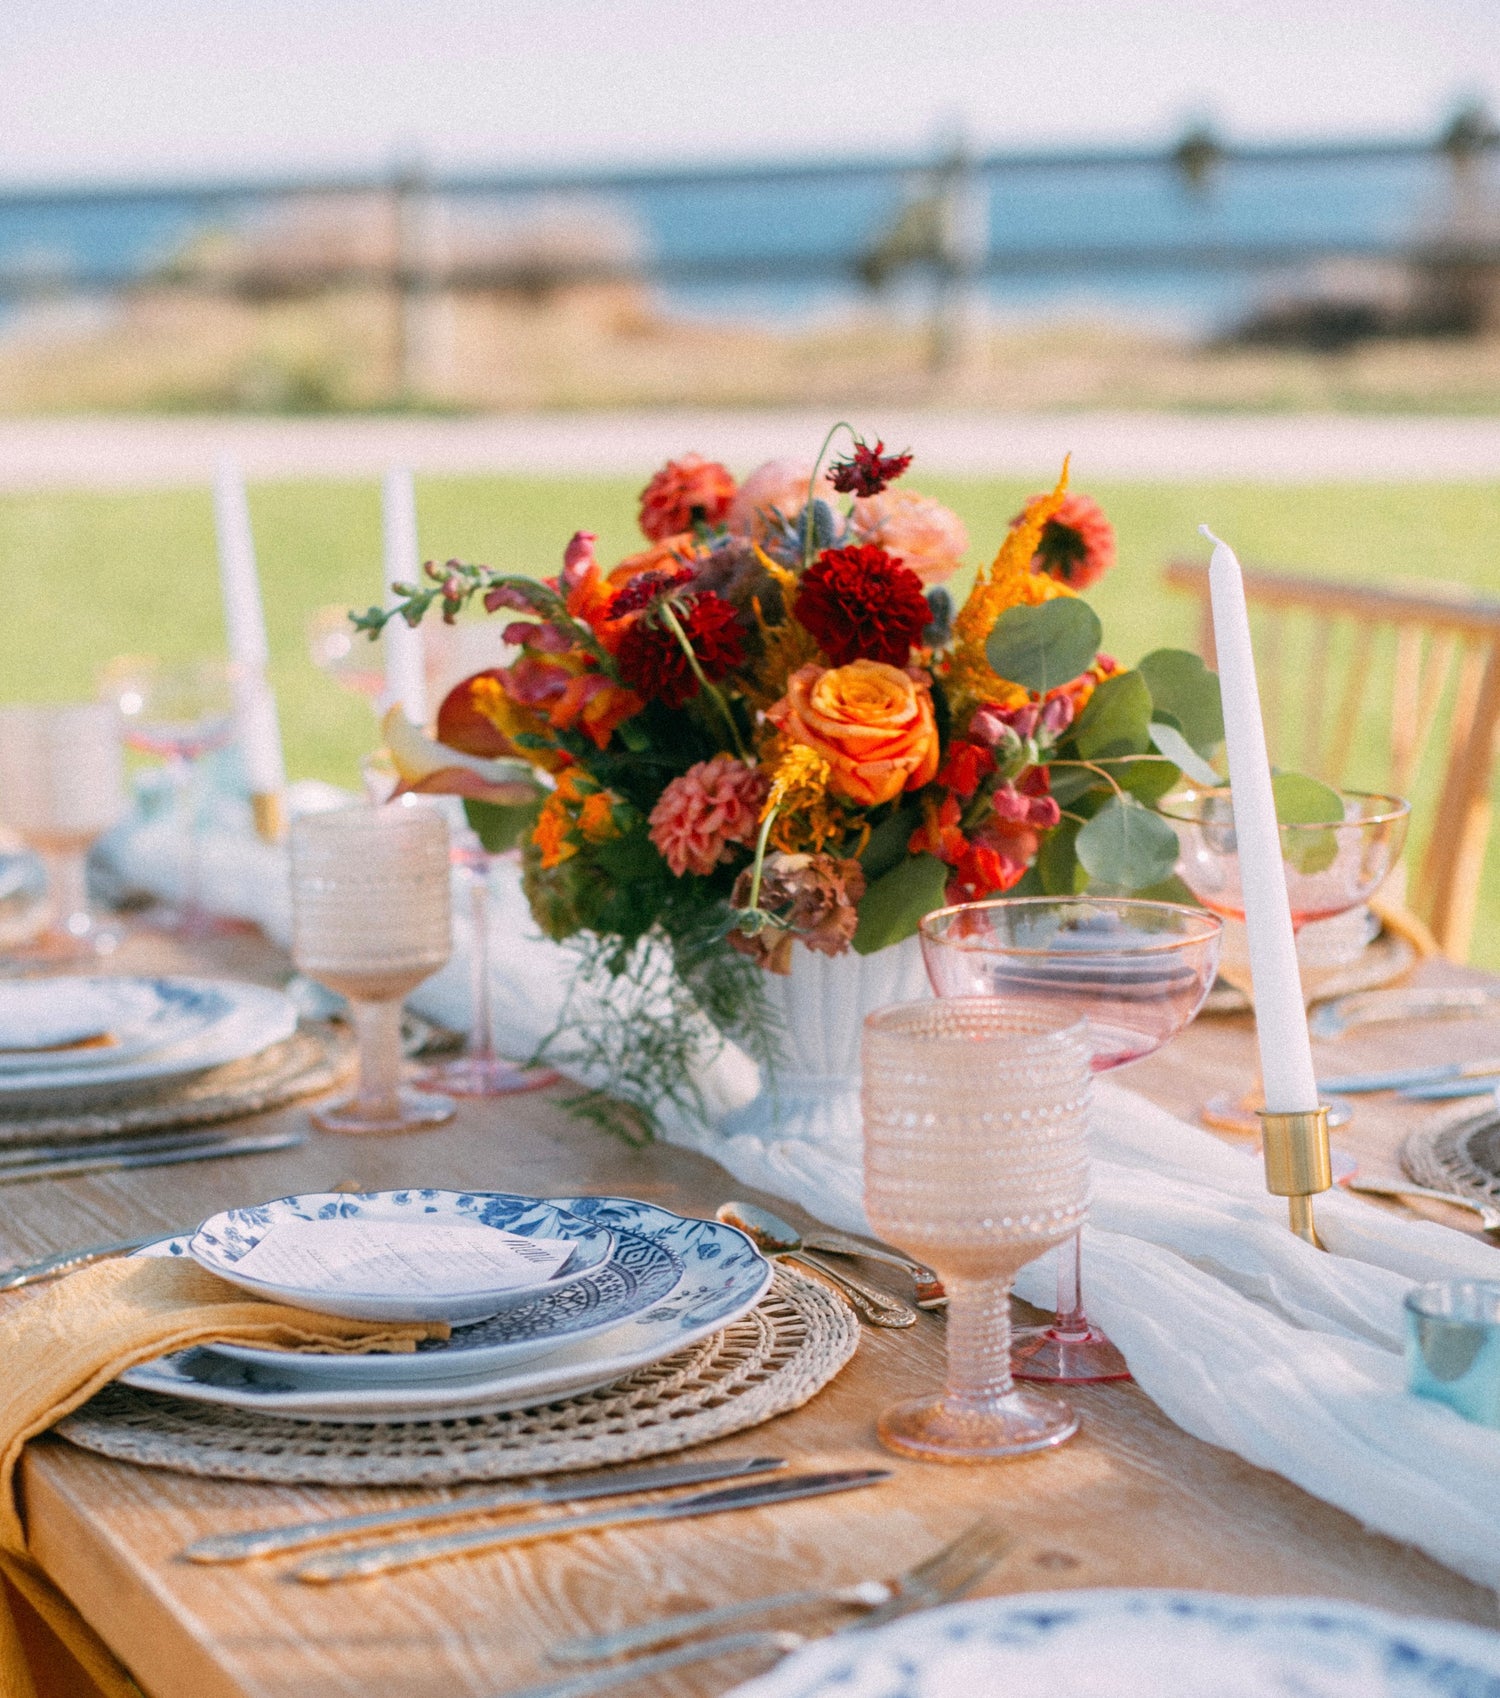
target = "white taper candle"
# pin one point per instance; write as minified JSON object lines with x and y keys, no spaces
{"x":405,"y":675}
{"x":256,"y":725}
{"x":1286,"y":1065}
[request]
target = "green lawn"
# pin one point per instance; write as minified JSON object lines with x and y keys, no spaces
{"x":85,"y":577}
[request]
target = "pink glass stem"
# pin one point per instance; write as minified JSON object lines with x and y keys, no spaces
{"x":1070,"y":1320}
{"x":377,"y":1030}
{"x":978,"y":1377}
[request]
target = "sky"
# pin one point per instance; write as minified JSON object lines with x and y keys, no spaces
{"x":141,"y":89}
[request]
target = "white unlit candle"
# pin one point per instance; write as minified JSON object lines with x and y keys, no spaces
{"x":405,"y":676}
{"x":1286,"y":1065}
{"x":256,"y":726}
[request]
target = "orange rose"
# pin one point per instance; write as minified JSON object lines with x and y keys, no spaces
{"x":872,"y":723}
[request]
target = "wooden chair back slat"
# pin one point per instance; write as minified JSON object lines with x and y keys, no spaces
{"x":1444,"y":649}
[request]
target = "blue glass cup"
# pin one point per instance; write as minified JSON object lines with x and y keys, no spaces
{"x":1453,"y":1346}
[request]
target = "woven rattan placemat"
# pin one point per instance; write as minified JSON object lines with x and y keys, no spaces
{"x":773,"y":1359}
{"x":1459,"y":1153}
{"x":313,"y":1059}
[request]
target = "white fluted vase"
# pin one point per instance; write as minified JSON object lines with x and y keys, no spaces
{"x":822,"y":1004}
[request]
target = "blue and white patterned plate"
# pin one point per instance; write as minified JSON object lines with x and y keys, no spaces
{"x":224,"y":1239}
{"x":169,"y":1027}
{"x":721,"y":1276}
{"x":1119,"y":1644}
{"x":638,"y":1273}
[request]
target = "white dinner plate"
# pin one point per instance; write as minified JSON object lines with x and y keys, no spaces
{"x":238,"y":1020}
{"x":223,"y":1239}
{"x":1119,"y":1644}
{"x":722,"y":1276}
{"x":43,"y":1020}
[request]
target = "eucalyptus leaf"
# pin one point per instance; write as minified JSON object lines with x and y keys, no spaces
{"x":1301,"y":802}
{"x":1041,"y":647}
{"x":1176,"y":748}
{"x":1126,"y":846}
{"x":1147,"y":780}
{"x":1116,"y":720}
{"x":894,"y":905}
{"x":1182,"y":686}
{"x":1057,"y":870}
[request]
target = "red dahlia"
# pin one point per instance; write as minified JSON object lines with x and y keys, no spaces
{"x":1077,"y":543}
{"x":686,"y":492}
{"x":651,"y":660}
{"x":644,"y":588}
{"x":861,"y":603}
{"x":867,"y":471}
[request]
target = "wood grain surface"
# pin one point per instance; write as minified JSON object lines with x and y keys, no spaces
{"x":1132,"y":1501}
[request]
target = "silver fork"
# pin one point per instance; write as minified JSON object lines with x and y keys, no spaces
{"x":1489,"y":1214}
{"x":945,"y":1575}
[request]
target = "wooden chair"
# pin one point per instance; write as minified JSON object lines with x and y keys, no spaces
{"x":1320,"y":648}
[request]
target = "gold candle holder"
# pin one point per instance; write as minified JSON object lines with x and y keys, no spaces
{"x":268,"y":809}
{"x":1297,"y":1164}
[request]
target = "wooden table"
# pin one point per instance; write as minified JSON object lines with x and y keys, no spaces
{"x":1132,"y":1501}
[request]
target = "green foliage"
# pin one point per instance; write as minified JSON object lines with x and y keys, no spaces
{"x":501,"y":828}
{"x":895,"y":903}
{"x":888,"y":840}
{"x":1302,"y":802}
{"x":1185,"y":694}
{"x":1116,"y":720}
{"x":1058,"y":870}
{"x":1043,"y":647}
{"x":1126,"y":846}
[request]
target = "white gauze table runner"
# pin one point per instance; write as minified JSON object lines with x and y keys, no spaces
{"x":1244,"y":1335}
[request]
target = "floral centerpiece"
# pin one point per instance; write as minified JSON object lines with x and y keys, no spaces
{"x":771,"y":730}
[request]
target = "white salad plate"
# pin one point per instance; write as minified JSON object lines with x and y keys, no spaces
{"x":1138,"y":1644}
{"x":720,"y":1276}
{"x":224,"y":1239}
{"x":211,"y":1022}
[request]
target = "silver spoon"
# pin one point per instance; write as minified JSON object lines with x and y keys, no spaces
{"x":776,"y":1237}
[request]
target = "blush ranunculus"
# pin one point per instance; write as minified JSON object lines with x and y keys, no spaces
{"x":922,"y":533}
{"x":871,"y":722}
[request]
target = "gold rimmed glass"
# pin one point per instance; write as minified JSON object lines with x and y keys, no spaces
{"x":976,"y":1161}
{"x":1330,"y":869}
{"x":371,"y":919}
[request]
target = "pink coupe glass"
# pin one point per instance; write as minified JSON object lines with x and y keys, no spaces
{"x":1135,"y":972}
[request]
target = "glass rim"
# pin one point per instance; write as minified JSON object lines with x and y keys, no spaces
{"x":1211,"y":924}
{"x":1052,"y":1034}
{"x":1421,"y":1301}
{"x":324,"y":819}
{"x":1396,"y":808}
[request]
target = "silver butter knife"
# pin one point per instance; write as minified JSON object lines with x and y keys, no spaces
{"x":1369,"y":1008}
{"x":54,"y":1267}
{"x":1404,"y":1078}
{"x":407,"y":1553}
{"x":270,"y":1541}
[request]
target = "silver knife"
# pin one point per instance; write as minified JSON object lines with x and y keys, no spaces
{"x":270,"y":1541}
{"x":150,"y":1153}
{"x":1401,"y":1078}
{"x":407,"y":1553}
{"x":65,"y":1261}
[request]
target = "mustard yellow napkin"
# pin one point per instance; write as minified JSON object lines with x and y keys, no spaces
{"x":64,"y":1341}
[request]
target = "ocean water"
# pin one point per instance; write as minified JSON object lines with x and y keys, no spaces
{"x":819,"y":228}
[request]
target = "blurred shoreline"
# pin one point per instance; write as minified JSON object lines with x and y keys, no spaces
{"x":126,"y":453}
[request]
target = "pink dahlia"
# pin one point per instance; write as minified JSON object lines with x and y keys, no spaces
{"x":920,"y":532}
{"x":713,"y":806}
